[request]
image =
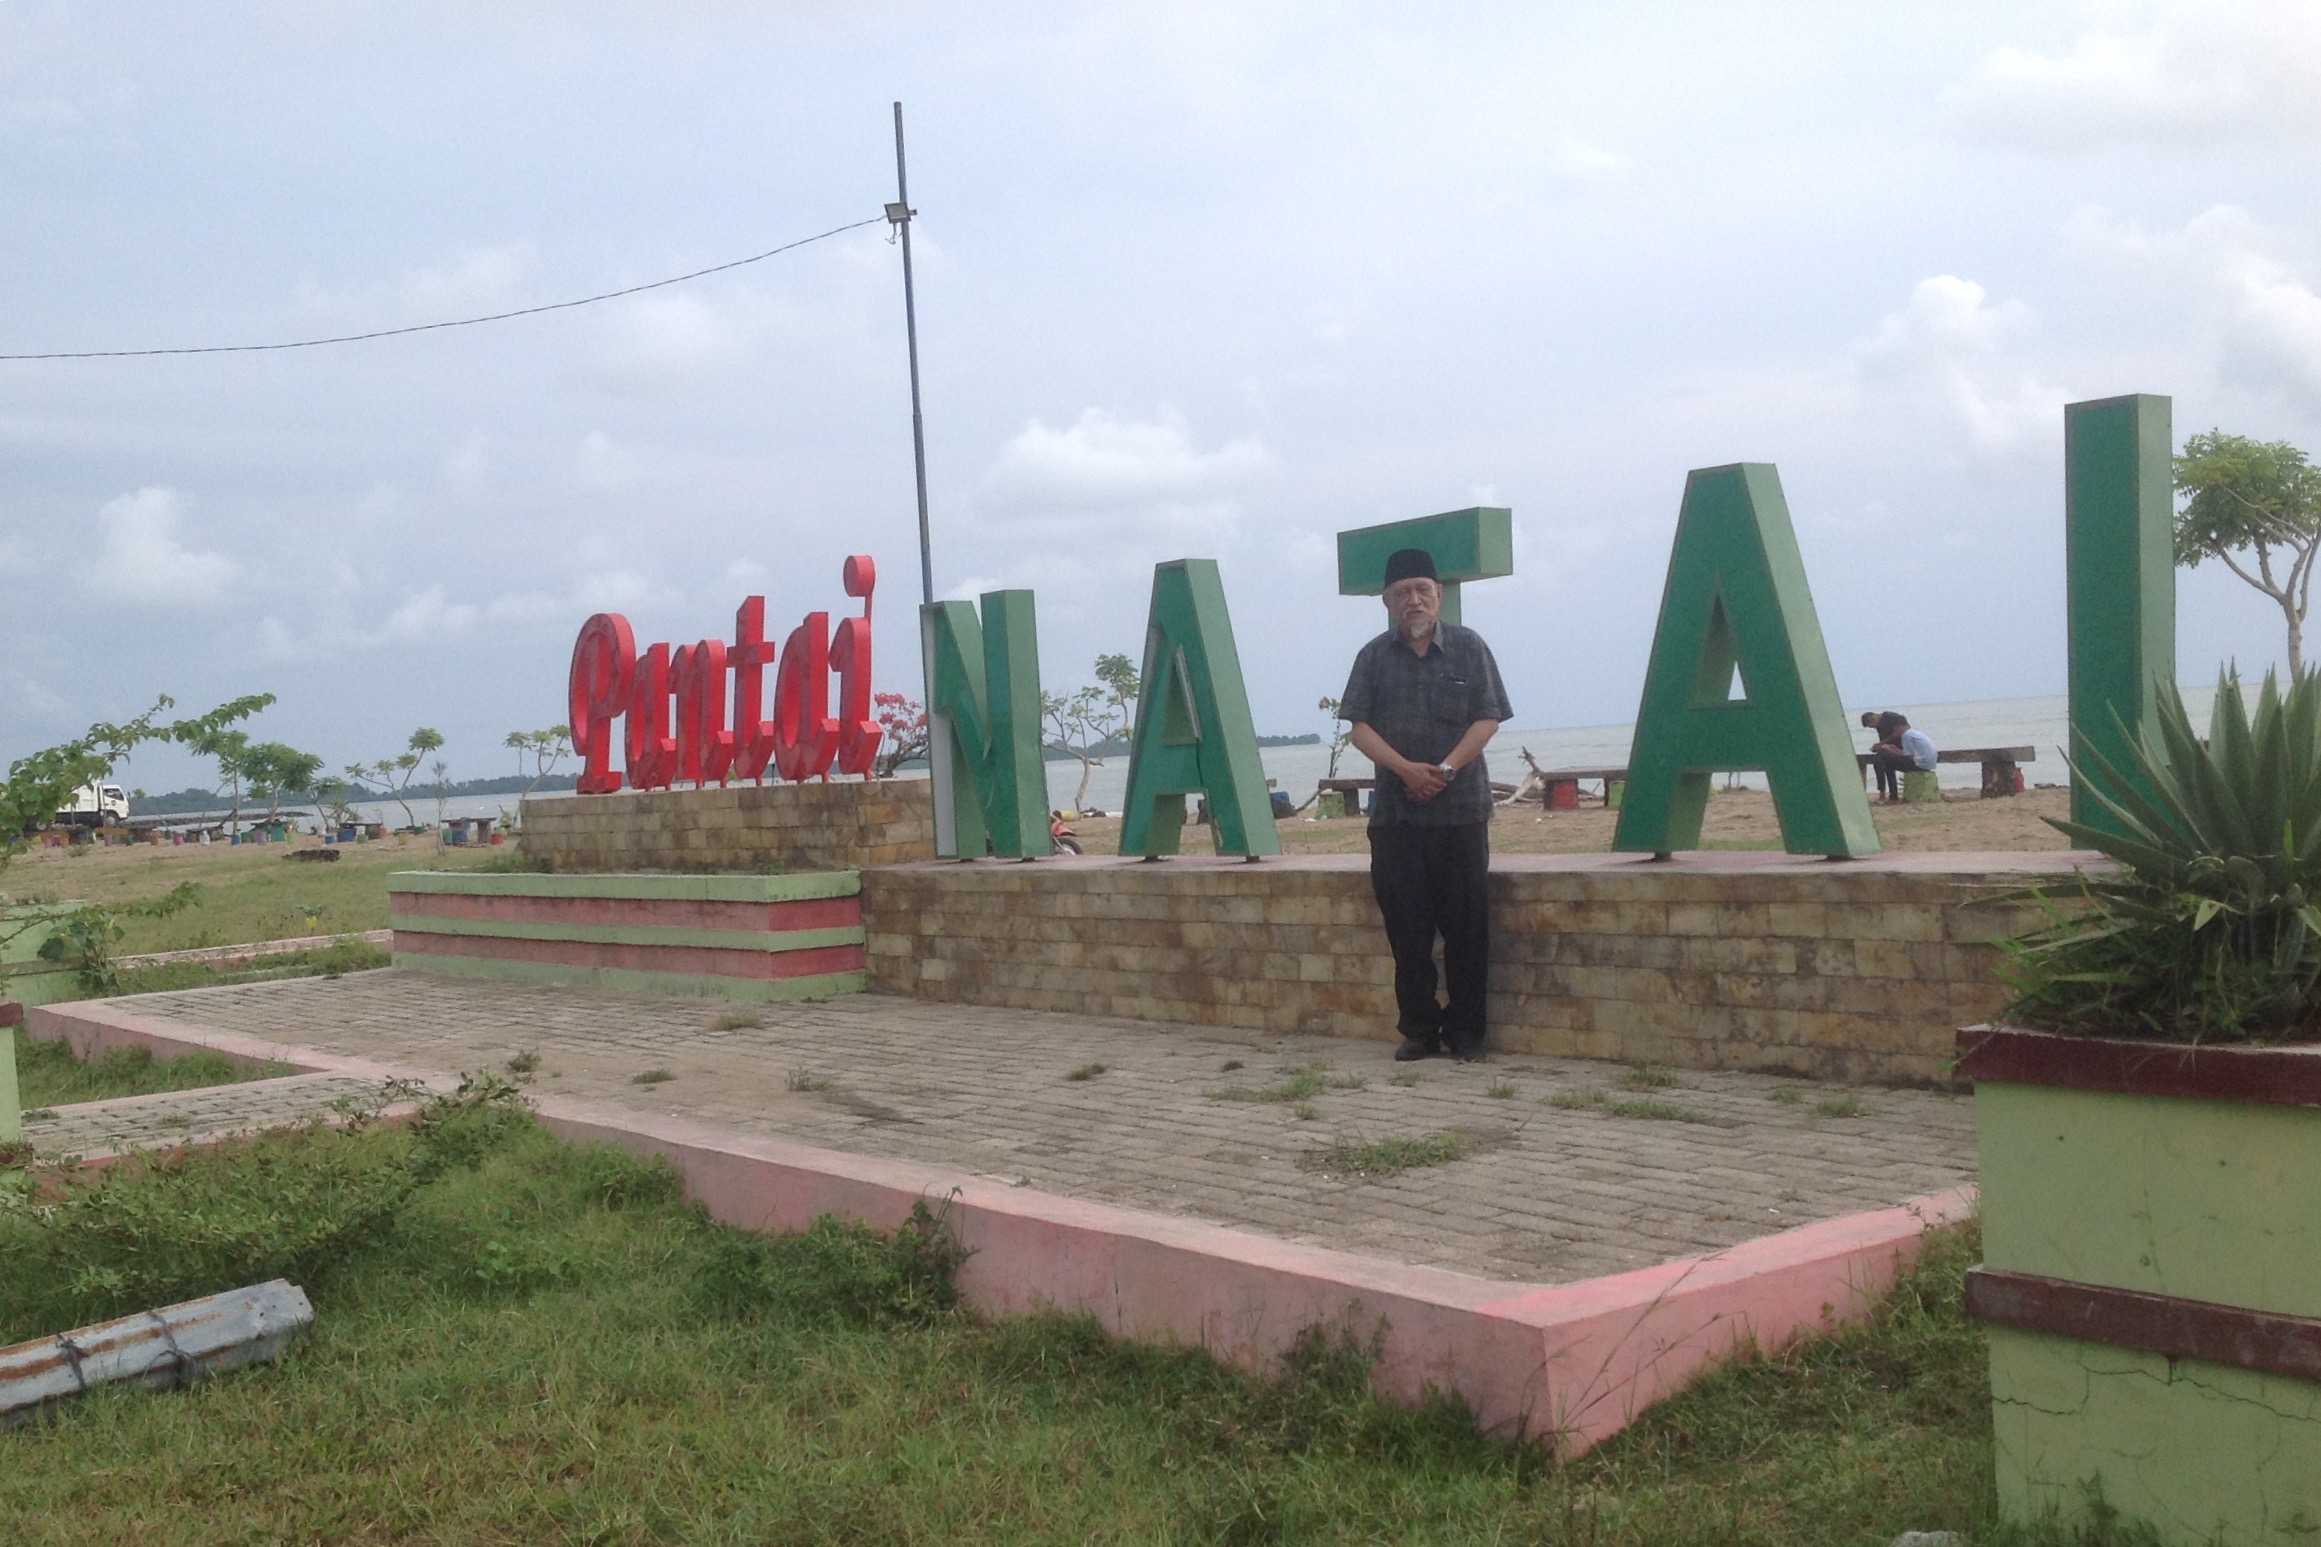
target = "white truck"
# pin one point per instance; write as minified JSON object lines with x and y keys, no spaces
{"x":94,"y":805}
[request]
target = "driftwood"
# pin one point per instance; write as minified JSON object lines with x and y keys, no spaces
{"x":1532,"y":787}
{"x":173,"y":1346}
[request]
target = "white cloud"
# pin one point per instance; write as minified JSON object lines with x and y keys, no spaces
{"x":604,"y":463}
{"x":2263,"y":312}
{"x":2234,"y":71}
{"x":1580,"y":159}
{"x":427,"y":615}
{"x":1103,"y":462}
{"x":1949,"y":344}
{"x":625,"y":591}
{"x":479,"y":278}
{"x":140,"y":557}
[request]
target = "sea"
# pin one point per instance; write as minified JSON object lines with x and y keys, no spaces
{"x":2038,"y":723}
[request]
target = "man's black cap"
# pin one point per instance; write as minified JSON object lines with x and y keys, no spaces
{"x":1409,"y":564}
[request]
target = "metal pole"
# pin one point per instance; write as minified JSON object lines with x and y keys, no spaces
{"x":911,"y":330}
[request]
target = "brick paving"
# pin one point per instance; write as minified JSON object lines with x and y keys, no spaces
{"x":1543,"y":1193}
{"x":184,"y":1116}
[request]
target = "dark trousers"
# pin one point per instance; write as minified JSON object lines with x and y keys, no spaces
{"x":1891,"y":767}
{"x":1429,"y":881}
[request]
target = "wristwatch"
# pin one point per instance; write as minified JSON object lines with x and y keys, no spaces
{"x":1447,"y":771}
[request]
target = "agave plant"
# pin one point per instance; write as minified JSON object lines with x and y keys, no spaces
{"x":2210,"y":930}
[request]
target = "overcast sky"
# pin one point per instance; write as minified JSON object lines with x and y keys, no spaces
{"x":1193,"y":281}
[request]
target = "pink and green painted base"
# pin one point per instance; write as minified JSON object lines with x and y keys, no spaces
{"x":753,"y":938}
{"x":2152,"y":1280}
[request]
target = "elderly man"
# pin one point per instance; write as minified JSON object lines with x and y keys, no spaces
{"x":1424,"y":698}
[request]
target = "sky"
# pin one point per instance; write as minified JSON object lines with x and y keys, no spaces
{"x":1193,"y":280}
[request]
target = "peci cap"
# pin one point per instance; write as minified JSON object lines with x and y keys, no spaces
{"x":1409,"y":564}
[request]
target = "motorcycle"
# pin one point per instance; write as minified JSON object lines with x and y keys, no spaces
{"x":1060,"y":834}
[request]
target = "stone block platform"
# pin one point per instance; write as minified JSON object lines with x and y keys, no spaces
{"x":1603,"y":1233}
{"x":1858,"y":970}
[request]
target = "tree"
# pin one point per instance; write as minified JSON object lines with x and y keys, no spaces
{"x":2242,"y":496}
{"x":275,"y":770}
{"x":231,"y":749}
{"x":546,"y":748}
{"x":1341,"y":733}
{"x":1094,"y":717}
{"x":442,"y":772}
{"x":905,"y":724}
{"x":394,"y":774}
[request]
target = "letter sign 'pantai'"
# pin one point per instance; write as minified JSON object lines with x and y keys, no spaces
{"x":1194,"y":734}
{"x":1736,"y":597}
{"x":983,"y":727}
{"x":610,"y":680}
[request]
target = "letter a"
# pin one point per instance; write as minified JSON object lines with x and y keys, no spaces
{"x":1193,"y":729}
{"x":983,"y":727}
{"x":1736,"y":598}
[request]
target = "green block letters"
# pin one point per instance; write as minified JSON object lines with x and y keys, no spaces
{"x":983,"y":724}
{"x":1474,"y":544}
{"x":1193,"y":730}
{"x":1736,"y":597}
{"x":2119,"y":544}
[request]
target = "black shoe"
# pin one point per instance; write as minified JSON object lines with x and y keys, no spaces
{"x":1415,"y":1048}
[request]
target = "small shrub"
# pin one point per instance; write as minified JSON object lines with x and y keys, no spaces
{"x":1500,"y":1090}
{"x":1230,"y":1065}
{"x":1305,"y":1111}
{"x":652,"y":1077}
{"x":737,"y":1020}
{"x":836,"y":1270}
{"x":527,"y":1062}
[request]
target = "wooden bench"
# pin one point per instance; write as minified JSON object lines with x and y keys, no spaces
{"x":1560,"y":787}
{"x":2001,"y":773}
{"x":1353,"y":790}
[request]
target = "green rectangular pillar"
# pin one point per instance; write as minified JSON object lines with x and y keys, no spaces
{"x":1473,"y":544}
{"x":11,"y":1108}
{"x":2120,"y":558}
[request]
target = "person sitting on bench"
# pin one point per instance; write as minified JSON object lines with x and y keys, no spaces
{"x":1901,"y":750}
{"x":1875,"y":721}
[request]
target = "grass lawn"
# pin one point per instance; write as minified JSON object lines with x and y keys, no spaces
{"x":248,"y":893}
{"x":519,"y":1341}
{"x":47,"y":1074}
{"x":328,"y":961}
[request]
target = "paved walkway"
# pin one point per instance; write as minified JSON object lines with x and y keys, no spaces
{"x":185,"y":1116}
{"x":1569,"y":1169}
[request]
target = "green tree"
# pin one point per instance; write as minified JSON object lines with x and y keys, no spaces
{"x":546,"y":748}
{"x":275,"y":770}
{"x":394,"y":774}
{"x":231,"y":750}
{"x":1094,"y":717}
{"x":2242,"y":496}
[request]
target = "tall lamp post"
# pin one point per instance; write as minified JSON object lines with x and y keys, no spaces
{"x":899,"y":215}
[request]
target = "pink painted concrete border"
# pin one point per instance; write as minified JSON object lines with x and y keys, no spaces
{"x":703,"y":961}
{"x":1574,"y":1363}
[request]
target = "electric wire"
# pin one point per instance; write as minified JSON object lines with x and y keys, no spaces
{"x":457,"y":322}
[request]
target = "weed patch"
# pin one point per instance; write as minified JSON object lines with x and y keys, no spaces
{"x":1579,"y":1100}
{"x":1384,"y":1157}
{"x":527,"y":1062}
{"x":1848,"y":1105}
{"x":1085,"y":1072}
{"x":1302,"y":1084}
{"x":1663,"y":1112}
{"x":48,"y":1075}
{"x":652,"y":1077}
{"x":1648,"y":1076}
{"x":1500,"y":1090}
{"x":737,"y":1020}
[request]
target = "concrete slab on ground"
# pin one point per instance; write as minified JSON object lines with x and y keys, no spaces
{"x":1544,"y":1193}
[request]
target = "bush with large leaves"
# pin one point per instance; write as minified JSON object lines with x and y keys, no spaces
{"x":2210,"y":930}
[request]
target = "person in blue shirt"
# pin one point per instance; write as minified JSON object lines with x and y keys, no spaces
{"x":1901,"y":749}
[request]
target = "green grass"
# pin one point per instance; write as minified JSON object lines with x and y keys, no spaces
{"x":48,"y":1075}
{"x":526,"y":1062}
{"x":331,"y":961}
{"x":1385,"y":1157}
{"x":737,"y":1020}
{"x":1301,"y":1084}
{"x":1660,"y":1112}
{"x":1786,"y":1095}
{"x":247,"y":894}
{"x":1085,"y":1072}
{"x":519,"y":1341}
{"x":1579,"y":1100}
{"x":1500,"y":1090}
{"x":653,"y":1077}
{"x":1648,"y":1077}
{"x":1841,"y":1106}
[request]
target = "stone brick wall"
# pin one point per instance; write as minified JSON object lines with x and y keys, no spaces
{"x":1859,"y":971}
{"x":842,"y":825}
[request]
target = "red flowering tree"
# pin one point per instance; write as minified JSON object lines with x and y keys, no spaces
{"x":905,"y":723}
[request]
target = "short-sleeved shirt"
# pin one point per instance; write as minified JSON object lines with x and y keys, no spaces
{"x":1919,"y":748}
{"x":1422,"y":705}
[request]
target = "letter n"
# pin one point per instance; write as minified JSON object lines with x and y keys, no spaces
{"x":1736,"y":598}
{"x":983,"y":727}
{"x":1193,"y":731}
